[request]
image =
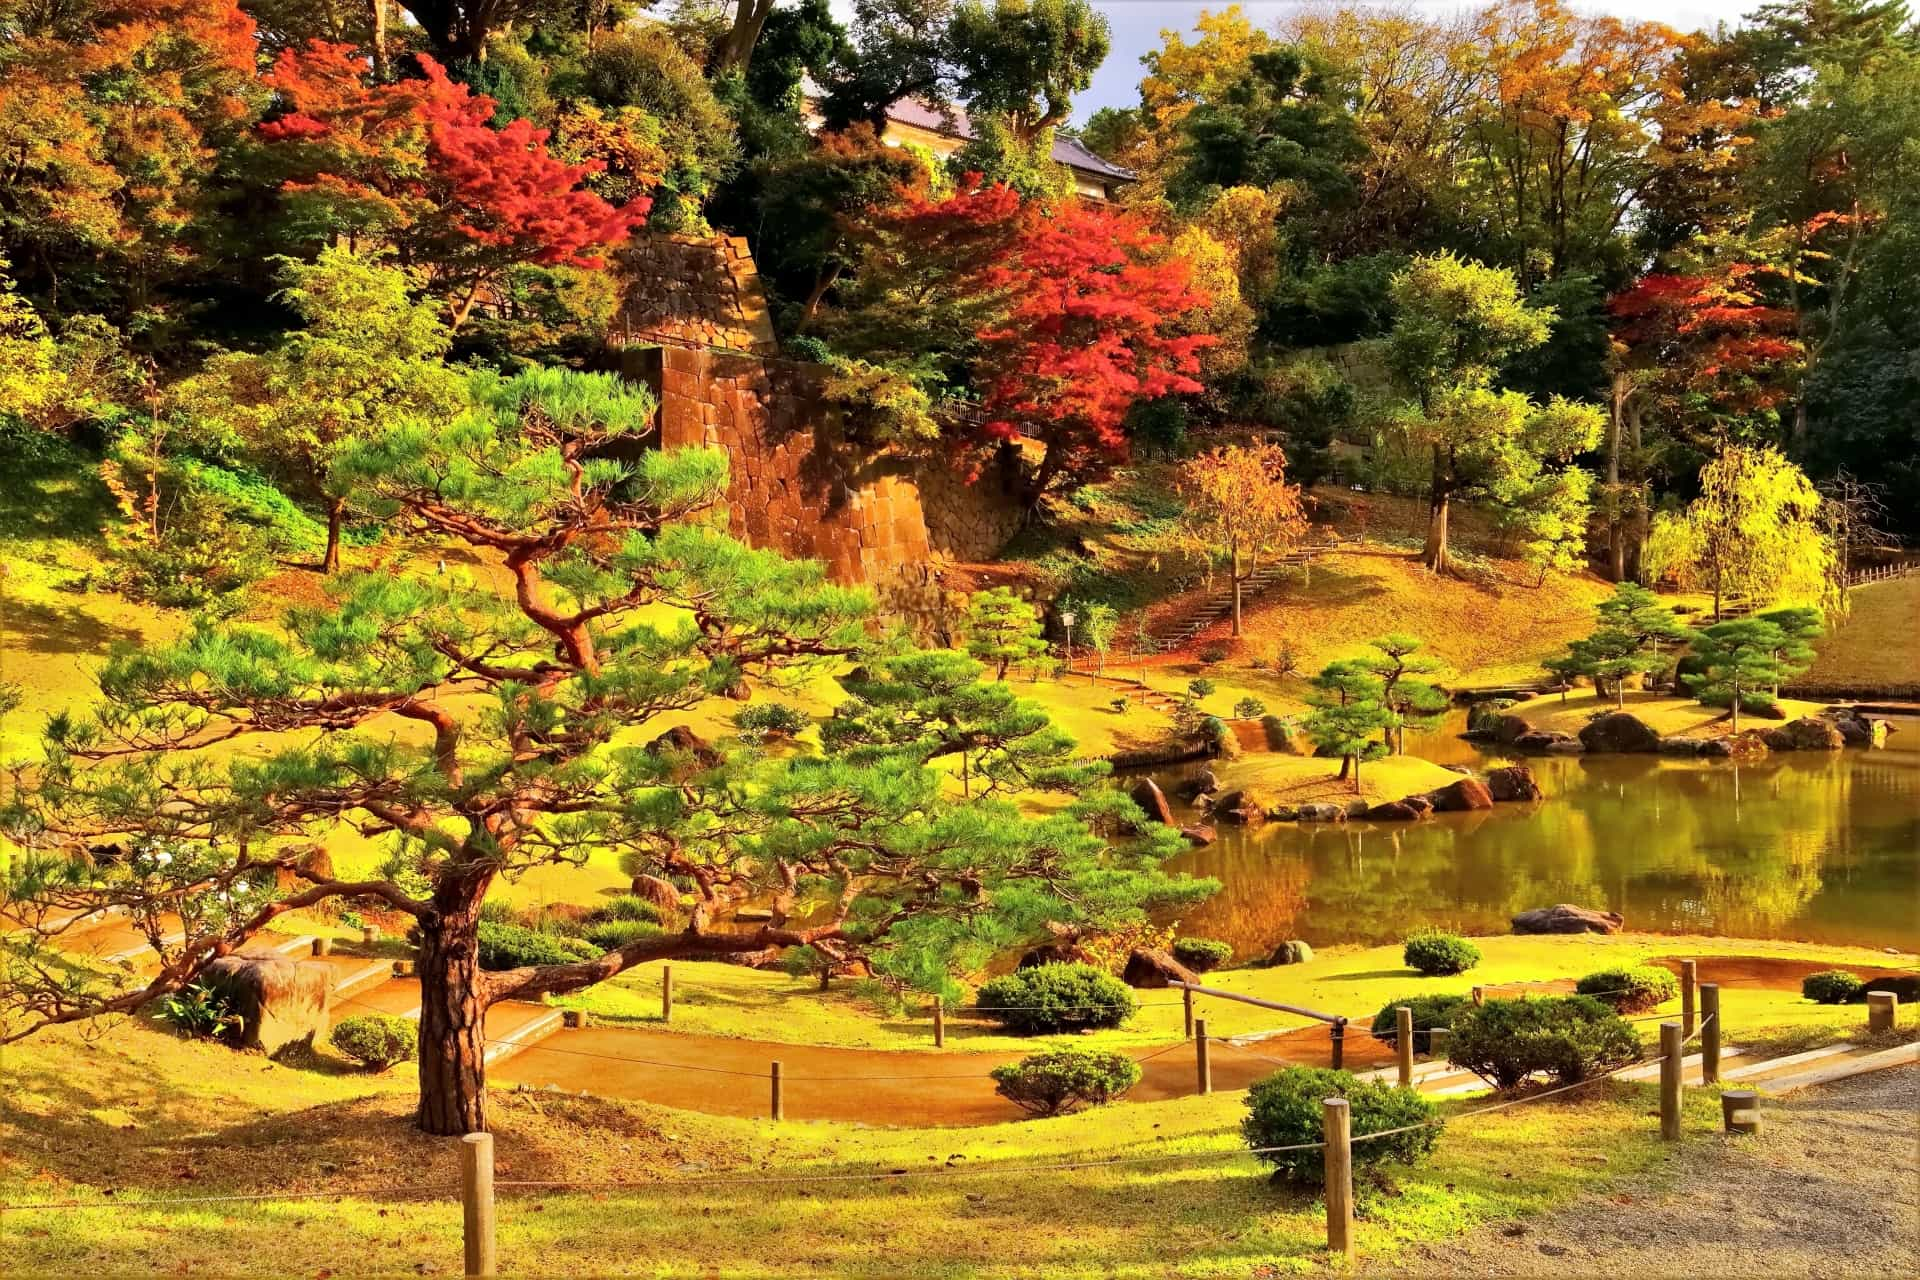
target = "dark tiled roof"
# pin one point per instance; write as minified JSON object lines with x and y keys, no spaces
{"x":1069,"y":151}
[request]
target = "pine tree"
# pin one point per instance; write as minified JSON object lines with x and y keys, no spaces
{"x":1347,"y":713}
{"x":1002,"y":629}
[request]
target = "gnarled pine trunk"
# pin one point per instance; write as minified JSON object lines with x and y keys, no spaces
{"x":453,"y":1010}
{"x":1435,"y":554}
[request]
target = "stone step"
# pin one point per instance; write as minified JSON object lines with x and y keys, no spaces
{"x":1841,"y":1067}
{"x":1753,"y":1069}
{"x":534,"y":1029}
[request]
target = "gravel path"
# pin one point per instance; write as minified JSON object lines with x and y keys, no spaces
{"x":1831,"y":1187}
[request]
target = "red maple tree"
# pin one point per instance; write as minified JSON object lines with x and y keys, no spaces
{"x":1710,"y":343}
{"x":417,"y":163}
{"x":1093,"y":328}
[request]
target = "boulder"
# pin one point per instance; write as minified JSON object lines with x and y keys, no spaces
{"x":1509,"y":729}
{"x":1681,"y":746}
{"x":280,"y":1001}
{"x":1461,"y":796}
{"x":1810,"y":733}
{"x":1200,"y":784}
{"x":1567,"y":918}
{"x":660,"y":893}
{"x":1357,"y":808}
{"x":1619,"y":731}
{"x":1420,"y":805}
{"x":1283,"y":813}
{"x":1152,"y":801}
{"x":1321,"y":813}
{"x":1054,"y":953}
{"x":1777,"y":739}
{"x":1244,"y":806}
{"x":1393,"y":811}
{"x":682,"y":742}
{"x":1743,"y":746}
{"x":1514,"y":782}
{"x":1858,"y":730}
{"x":1200,"y":834}
{"x":1567,"y":747}
{"x":1541,"y":741}
{"x":1291,"y":952}
{"x":1153,"y":969}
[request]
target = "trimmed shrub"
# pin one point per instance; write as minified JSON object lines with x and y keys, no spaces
{"x":1201,"y":687}
{"x":1434,"y":952}
{"x":1630,"y":990}
{"x":1249,"y":709}
{"x":1428,"y":1012}
{"x":771,"y":719}
{"x":376,"y":1040}
{"x":1050,"y":998}
{"x":1220,"y":738}
{"x":1212,"y":653}
{"x":608,"y":934}
{"x":1570,"y":1038}
{"x":198,"y":1009}
{"x":1293,"y":951}
{"x":1201,"y":954}
{"x":628,"y":907}
{"x":508,"y":946}
{"x":1051,"y":1084}
{"x":1284,"y":1110}
{"x":1832,"y":986}
{"x":1280,"y":732}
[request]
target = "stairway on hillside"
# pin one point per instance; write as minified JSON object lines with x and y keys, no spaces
{"x":1219,"y":604}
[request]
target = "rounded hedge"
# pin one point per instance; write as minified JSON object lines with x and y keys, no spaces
{"x":1428,"y":1012}
{"x":1049,"y":1084}
{"x":1569,"y":1038}
{"x":1633,"y":989}
{"x":772,"y":719}
{"x":1284,"y":1110}
{"x":1831,"y":986}
{"x":1050,"y":998}
{"x":376,"y":1040}
{"x":509,"y":946}
{"x":1201,"y":954}
{"x":1434,"y":952}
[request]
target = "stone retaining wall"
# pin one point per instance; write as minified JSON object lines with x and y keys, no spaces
{"x":695,"y":291}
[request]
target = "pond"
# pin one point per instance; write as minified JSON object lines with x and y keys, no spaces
{"x":1817,"y":847}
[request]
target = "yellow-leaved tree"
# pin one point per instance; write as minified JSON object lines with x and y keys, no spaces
{"x":1242,"y":508}
{"x":1755,"y":530}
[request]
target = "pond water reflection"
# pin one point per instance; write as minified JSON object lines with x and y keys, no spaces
{"x":1817,"y":847}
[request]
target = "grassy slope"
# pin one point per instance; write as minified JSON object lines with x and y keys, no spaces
{"x":726,"y":1000}
{"x":1873,"y":647}
{"x":144,"y":1116}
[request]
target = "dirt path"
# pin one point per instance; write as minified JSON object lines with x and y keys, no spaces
{"x":1830,"y":1188}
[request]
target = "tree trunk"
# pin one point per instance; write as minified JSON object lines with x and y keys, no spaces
{"x":1736,"y":707}
{"x":1435,"y":554}
{"x":336,"y":514}
{"x":453,"y":1008}
{"x":1616,"y":530}
{"x":748,"y":19}
{"x":382,"y":69}
{"x":1236,"y":591}
{"x":1356,"y":775}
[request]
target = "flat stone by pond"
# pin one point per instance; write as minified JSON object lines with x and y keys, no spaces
{"x":1814,"y":846}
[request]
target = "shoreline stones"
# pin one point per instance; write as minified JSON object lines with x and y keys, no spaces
{"x":1462,"y":796}
{"x":1152,"y":801}
{"x":1567,"y":918}
{"x":1619,"y":732}
{"x":1512,"y":783}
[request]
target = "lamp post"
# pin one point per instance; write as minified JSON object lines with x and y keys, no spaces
{"x":1067,"y":619}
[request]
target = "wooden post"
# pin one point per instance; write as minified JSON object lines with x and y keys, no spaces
{"x":323,"y":946}
{"x":476,"y":1203}
{"x":574,"y":1018}
{"x":1437,"y":1043}
{"x":939,"y":1023}
{"x":1479,"y":995}
{"x":1740,"y":1111}
{"x":1202,"y":1066}
{"x":666,"y":993}
{"x":1337,"y":1131}
{"x":1403,"y":1034}
{"x":1710,"y":1033}
{"x":1671,"y":1043}
{"x":370,"y":934}
{"x":1338,"y":1034}
{"x":779,"y":1103}
{"x":1186,"y":1001}
{"x":1881,"y":1007}
{"x":1689,"y":983}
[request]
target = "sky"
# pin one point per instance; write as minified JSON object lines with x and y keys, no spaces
{"x":1136,"y":26}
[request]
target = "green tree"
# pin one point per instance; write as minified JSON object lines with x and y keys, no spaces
{"x":1633,"y":624}
{"x":934,"y":706}
{"x":1457,"y":323}
{"x":1282,"y":120}
{"x":1098,"y":625}
{"x":1742,"y":657}
{"x":616,"y":604}
{"x":1409,"y":700}
{"x":1347,"y":713}
{"x":1024,"y":60}
{"x":1003,"y":629}
{"x":368,"y":355}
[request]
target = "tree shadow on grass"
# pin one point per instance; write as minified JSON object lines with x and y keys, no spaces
{"x":38,"y":626}
{"x":1374,"y":973}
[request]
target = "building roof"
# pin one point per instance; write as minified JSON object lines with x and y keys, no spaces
{"x":1067,"y":150}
